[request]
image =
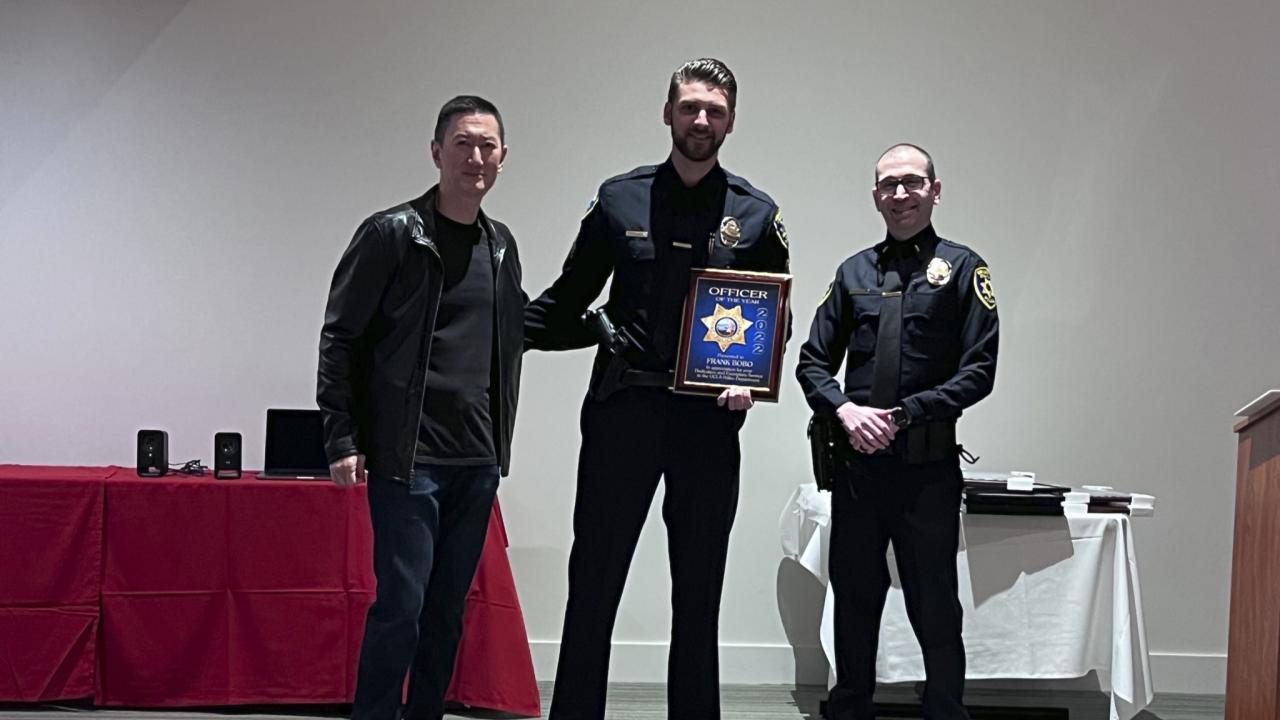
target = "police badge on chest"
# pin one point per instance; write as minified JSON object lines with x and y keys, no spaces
{"x":728,"y":236}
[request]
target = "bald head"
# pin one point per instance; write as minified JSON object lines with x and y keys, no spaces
{"x":906,"y":151}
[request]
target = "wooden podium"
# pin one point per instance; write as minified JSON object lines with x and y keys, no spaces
{"x":1253,"y":649}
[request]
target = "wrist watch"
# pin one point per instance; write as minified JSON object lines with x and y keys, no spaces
{"x":900,"y":417}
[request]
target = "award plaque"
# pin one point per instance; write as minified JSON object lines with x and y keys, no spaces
{"x":733,"y":332}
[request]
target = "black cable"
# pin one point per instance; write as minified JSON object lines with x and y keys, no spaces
{"x":190,"y":467}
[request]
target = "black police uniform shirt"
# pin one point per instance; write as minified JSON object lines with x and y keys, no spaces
{"x":648,"y":229}
{"x":950,"y":329}
{"x":456,"y":427}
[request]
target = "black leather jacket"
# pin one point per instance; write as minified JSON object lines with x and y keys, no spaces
{"x":377,"y":337}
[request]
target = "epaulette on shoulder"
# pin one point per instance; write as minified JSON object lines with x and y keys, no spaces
{"x":640,"y":173}
{"x":740,"y":184}
{"x":871,"y":252}
{"x":962,"y":248}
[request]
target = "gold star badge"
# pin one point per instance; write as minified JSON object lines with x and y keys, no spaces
{"x":726,"y":327}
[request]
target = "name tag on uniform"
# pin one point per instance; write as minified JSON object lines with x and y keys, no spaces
{"x":682,"y":246}
{"x":638,"y":233}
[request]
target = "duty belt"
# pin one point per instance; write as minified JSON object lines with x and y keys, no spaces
{"x":927,"y":442}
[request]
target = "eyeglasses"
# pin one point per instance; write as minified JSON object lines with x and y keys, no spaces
{"x":911,"y":183}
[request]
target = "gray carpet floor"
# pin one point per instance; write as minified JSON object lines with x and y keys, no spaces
{"x":738,"y":702}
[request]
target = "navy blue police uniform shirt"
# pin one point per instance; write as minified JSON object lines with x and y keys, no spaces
{"x":647,"y":229}
{"x":950,"y":329}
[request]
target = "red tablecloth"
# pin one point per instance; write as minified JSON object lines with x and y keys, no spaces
{"x":50,"y":580}
{"x":194,"y":591}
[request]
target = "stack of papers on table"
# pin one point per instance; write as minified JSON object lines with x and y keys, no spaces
{"x":1018,"y":493}
{"x":1105,"y":499}
{"x":1011,"y":493}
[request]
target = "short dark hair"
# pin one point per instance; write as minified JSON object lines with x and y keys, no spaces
{"x":928,"y":159}
{"x":466,"y":105}
{"x":708,"y":70}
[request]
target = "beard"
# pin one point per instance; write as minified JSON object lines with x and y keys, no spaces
{"x":684,"y":143}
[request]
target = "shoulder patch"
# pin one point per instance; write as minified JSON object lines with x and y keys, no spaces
{"x":591,"y":206}
{"x":827,"y":295}
{"x":781,"y":230}
{"x":982,"y":286}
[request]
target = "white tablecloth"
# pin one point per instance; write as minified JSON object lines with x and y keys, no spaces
{"x":1044,"y":598}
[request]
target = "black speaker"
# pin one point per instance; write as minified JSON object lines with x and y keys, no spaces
{"x":226,"y":454}
{"x":153,"y":453}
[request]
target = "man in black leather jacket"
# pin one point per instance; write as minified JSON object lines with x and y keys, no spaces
{"x":418,"y":377}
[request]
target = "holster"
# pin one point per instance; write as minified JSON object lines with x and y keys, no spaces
{"x":829,"y":449}
{"x":614,"y":341}
{"x":609,"y":380}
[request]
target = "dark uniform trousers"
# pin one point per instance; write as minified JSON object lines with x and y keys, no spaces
{"x":916,"y":507}
{"x":629,"y":441}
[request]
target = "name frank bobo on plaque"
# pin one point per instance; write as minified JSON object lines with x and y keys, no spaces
{"x":733,"y":332}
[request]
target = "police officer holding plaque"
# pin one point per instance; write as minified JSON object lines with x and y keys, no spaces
{"x":913,"y":320}
{"x":666,"y":234}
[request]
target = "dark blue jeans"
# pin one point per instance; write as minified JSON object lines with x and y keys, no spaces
{"x":427,"y":540}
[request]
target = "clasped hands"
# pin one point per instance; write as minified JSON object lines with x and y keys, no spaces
{"x":869,"y":429}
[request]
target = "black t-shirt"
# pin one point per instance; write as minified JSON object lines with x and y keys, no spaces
{"x":456,"y":426}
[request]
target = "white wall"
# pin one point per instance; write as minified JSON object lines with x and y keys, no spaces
{"x":177,"y":180}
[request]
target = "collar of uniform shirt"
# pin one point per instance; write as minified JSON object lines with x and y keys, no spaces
{"x":921,"y":245}
{"x":707,"y":186}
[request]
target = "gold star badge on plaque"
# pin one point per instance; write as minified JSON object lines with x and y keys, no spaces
{"x":726,"y":327}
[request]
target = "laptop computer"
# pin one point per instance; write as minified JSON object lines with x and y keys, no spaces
{"x":295,"y":446}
